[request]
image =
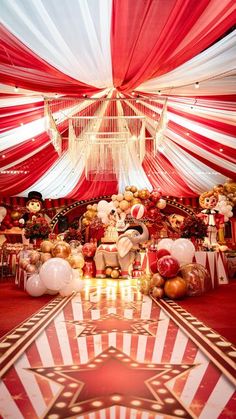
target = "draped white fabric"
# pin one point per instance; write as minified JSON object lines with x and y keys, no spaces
{"x":60,"y":179}
{"x":196,"y":174}
{"x":18,"y":135}
{"x":80,"y":49}
{"x":216,"y":61}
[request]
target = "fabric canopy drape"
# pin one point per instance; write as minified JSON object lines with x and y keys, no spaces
{"x":170,"y":62}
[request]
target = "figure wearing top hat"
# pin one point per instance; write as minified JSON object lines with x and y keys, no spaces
{"x":34,"y":205}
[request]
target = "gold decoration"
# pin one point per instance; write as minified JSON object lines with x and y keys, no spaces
{"x":61,"y":250}
{"x":46,"y":246}
{"x":45,"y":256}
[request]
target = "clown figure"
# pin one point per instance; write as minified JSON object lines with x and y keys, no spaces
{"x":34,"y":206}
{"x":211,"y":217}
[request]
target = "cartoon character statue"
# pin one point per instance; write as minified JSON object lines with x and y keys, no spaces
{"x":33,"y":206}
{"x":211,"y":217}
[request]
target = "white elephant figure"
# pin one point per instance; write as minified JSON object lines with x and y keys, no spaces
{"x":122,"y":253}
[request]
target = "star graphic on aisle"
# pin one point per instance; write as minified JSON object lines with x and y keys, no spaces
{"x":115,"y":323}
{"x":114,"y":379}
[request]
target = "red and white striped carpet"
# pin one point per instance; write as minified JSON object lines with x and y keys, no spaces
{"x":111,"y":352}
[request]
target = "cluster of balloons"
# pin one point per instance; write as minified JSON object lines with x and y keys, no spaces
{"x":228,"y":189}
{"x":56,"y":268}
{"x":90,"y":214}
{"x":9,"y":219}
{"x":152,"y":201}
{"x":173,"y":273}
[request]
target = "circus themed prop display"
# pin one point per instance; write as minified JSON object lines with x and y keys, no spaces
{"x":217,"y":207}
{"x":173,"y":274}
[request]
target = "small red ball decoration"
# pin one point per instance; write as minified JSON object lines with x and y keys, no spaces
{"x":155,"y":196}
{"x":89,"y":250}
{"x":162,"y":252}
{"x":168,"y":266}
{"x":153,"y":267}
{"x":175,"y":288}
{"x":138,"y":211}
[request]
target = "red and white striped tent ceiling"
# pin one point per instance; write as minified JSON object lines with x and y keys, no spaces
{"x":153,"y":50}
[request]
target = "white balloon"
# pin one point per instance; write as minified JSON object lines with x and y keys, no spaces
{"x":51,"y":292}
{"x":183,"y":250}
{"x":102,"y":206}
{"x":35,"y":286}
{"x":75,"y":285}
{"x":165,"y":244}
{"x":161,"y":204}
{"x":55,"y":273}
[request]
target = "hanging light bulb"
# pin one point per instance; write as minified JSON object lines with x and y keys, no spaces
{"x":16,"y":89}
{"x":197,"y":85}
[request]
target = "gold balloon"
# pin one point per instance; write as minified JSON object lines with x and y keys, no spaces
{"x":61,"y":250}
{"x":108,"y":271}
{"x":230,"y":187}
{"x":124,"y":205}
{"x":46,"y":246}
{"x":197,"y":278}
{"x":76,"y":261}
{"x":128,"y":188}
{"x":135,"y":201}
{"x":128,"y":195}
{"x":133,"y":188}
{"x":24,"y":263}
{"x":45,"y":256}
{"x":115,"y":274}
{"x":34,"y":257}
{"x":136,"y":194}
{"x":158,"y":292}
{"x":157,"y":280}
{"x":85,"y":222}
{"x":31,"y":268}
{"x":175,"y":287}
{"x":15,"y":215}
{"x":89,"y":214}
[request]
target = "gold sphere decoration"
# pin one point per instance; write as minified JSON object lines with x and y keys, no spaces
{"x":133,"y":188}
{"x":45,"y":256}
{"x":115,"y":273}
{"x":108,"y":271}
{"x":15,"y":215}
{"x":46,"y":246}
{"x":124,"y":205}
{"x":128,"y":195}
{"x":34,"y":257}
{"x":61,"y":250}
{"x":76,"y":261}
{"x":31,"y":268}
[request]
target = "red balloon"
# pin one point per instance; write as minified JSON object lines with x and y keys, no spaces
{"x":155,"y":196}
{"x":168,"y":266}
{"x":153,"y":267}
{"x":89,"y":250}
{"x":162,"y":252}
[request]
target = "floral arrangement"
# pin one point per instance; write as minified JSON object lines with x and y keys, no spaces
{"x":72,"y":234}
{"x":193,"y":228}
{"x":37,"y":229}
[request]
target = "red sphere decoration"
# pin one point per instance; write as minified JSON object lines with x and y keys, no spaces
{"x":175,"y":288}
{"x":155,"y":196}
{"x":168,"y":266}
{"x":153,"y":267}
{"x":89,"y":250}
{"x":162,"y":252}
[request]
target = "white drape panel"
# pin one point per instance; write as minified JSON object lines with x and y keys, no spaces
{"x":220,"y":161}
{"x":60,"y":179}
{"x":18,"y":135}
{"x":80,"y":48}
{"x":216,"y":60}
{"x":196,"y":174}
{"x":21,"y":100}
{"x":210,"y":133}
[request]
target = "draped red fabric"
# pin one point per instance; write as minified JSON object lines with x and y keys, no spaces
{"x":137,"y":57}
{"x":212,"y":146}
{"x":86,"y":189}
{"x":33,"y":168}
{"x":162,"y":174}
{"x":20,"y":66}
{"x":14,"y":119}
{"x":209,"y":123}
{"x":22,"y":150}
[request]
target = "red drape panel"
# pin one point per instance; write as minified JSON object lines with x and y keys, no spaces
{"x":35,"y":167}
{"x":86,"y":189}
{"x":162,"y":174}
{"x":146,"y":36}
